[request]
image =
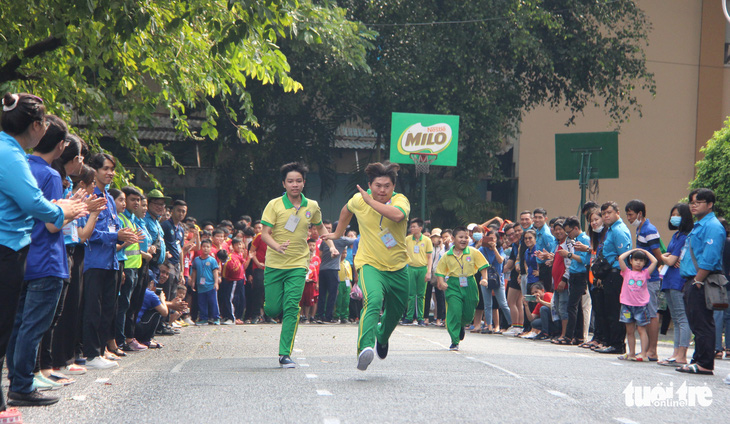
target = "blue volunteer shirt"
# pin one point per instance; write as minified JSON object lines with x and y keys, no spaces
{"x":531,"y":261}
{"x":585,"y":257}
{"x":47,"y":254}
{"x":617,"y":242}
{"x":20,"y":198}
{"x":153,"y":227}
{"x":174,"y":239}
{"x":648,"y":238}
{"x":143,"y":244}
{"x":101,"y":248}
{"x":204,"y":273}
{"x":544,"y":241}
{"x":707,"y":239}
{"x":151,"y":301}
{"x":672,"y":279}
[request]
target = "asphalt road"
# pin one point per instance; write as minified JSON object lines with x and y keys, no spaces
{"x":230,"y":374}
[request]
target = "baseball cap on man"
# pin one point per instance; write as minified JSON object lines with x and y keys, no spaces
{"x":157,"y":194}
{"x":436,"y":232}
{"x":471,"y":226}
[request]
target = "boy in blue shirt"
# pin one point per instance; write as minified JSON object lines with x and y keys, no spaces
{"x":205,"y":275}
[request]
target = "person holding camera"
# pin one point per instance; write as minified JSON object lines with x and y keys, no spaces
{"x":154,"y":308}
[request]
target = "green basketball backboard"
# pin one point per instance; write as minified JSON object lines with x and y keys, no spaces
{"x":600,"y":149}
{"x":419,"y":133}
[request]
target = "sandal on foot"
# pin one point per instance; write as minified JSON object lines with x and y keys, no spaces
{"x":693,"y":369}
{"x":624,"y":357}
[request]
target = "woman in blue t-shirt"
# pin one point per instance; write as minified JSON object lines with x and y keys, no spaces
{"x":680,"y":219}
{"x":492,"y":251}
{"x":530,"y":259}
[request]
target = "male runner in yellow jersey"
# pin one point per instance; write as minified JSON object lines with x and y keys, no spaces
{"x":420,"y":250}
{"x":286,"y":221}
{"x":381,"y":258}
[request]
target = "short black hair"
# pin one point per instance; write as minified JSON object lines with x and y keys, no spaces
{"x":206,"y":241}
{"x":293,"y":167}
{"x":326,"y":221}
{"x":540,"y":211}
{"x":386,"y":169}
{"x":536,"y":286}
{"x":225,"y":222}
{"x":179,"y":202}
{"x":526,"y":212}
{"x":687,"y":223}
{"x":131,"y":191}
{"x":558,"y":223}
{"x":587,"y":206}
{"x":458,"y":229}
{"x":249,"y":232}
{"x":418,"y":221}
{"x":236,"y":241}
{"x":97,"y":161}
{"x":56,"y":132}
{"x":222,"y":255}
{"x":258,"y":221}
{"x":571,"y":222}
{"x":702,"y":194}
{"x":636,"y":206}
{"x":218,"y":231}
{"x":609,"y":204}
{"x":245,"y":218}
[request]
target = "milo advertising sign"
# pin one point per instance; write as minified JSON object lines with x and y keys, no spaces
{"x":419,"y":133}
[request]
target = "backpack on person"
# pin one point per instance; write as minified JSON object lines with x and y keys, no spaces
{"x":493,"y":282}
{"x":715,"y":290}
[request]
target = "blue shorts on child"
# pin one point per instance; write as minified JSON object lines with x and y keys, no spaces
{"x":637,"y":314}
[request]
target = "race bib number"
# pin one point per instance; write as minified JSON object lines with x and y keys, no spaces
{"x":416,"y":249}
{"x":291,"y":223}
{"x":71,"y":230}
{"x":348,"y":283}
{"x":202,"y":280}
{"x":463,"y":282}
{"x":387,"y":238}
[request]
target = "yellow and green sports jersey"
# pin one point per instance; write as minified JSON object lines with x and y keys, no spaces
{"x":276,"y":215}
{"x":465,"y":265}
{"x":418,"y":249}
{"x":372,"y":250}
{"x":345,"y":272}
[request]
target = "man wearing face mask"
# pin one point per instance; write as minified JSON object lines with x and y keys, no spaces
{"x":647,"y":238}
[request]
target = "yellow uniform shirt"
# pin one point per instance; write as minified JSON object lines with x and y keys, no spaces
{"x":277,"y":213}
{"x":417,"y":250}
{"x":466,"y":265}
{"x":345,"y":272}
{"x":372,"y":251}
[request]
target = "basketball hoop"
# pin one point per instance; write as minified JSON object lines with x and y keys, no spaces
{"x":423,"y":161}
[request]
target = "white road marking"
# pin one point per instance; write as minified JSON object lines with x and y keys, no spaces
{"x":331,"y":421}
{"x":79,"y":397}
{"x":311,"y":375}
{"x":563,"y":350}
{"x":101,"y":380}
{"x":303,"y":365}
{"x":617,"y":364}
{"x":298,"y":351}
{"x":324,"y":393}
{"x":666,"y":375}
{"x":559,"y":394}
{"x":178,"y":367}
{"x":495,"y":366}
{"x":583,"y":355}
{"x":625,"y":421}
{"x":301,"y":359}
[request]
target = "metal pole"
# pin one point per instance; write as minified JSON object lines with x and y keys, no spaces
{"x":423,"y":196}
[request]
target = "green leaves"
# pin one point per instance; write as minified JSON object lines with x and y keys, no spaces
{"x":713,"y":171}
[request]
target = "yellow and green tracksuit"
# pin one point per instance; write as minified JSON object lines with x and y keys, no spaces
{"x":462,"y":294}
{"x":418,"y":252}
{"x":285,"y":274}
{"x":342,"y":307}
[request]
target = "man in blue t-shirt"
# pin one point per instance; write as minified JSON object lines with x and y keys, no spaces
{"x":174,"y":234}
{"x":617,"y":241}
{"x":154,"y":308}
{"x":647,"y":238}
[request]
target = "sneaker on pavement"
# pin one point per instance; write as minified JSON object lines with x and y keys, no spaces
{"x":99,"y":363}
{"x":201,"y":322}
{"x":11,"y":415}
{"x":382,"y":350}
{"x":215,"y":322}
{"x":365,"y":358}
{"x":41,"y":383}
{"x":226,"y":322}
{"x":454,"y":347}
{"x":188,"y":321}
{"x":34,"y":398}
{"x":136,"y":346}
{"x":286,"y":362}
{"x":529,"y":336}
{"x":405,"y":322}
{"x":420,"y":323}
{"x":175,"y":324}
{"x":73,"y":369}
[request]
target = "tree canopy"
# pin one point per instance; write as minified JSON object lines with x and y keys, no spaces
{"x":713,"y":171}
{"x":488,"y":61}
{"x":117,"y":65}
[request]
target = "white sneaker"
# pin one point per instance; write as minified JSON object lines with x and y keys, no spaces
{"x":365,"y":358}
{"x":227,"y":322}
{"x":175,"y":325}
{"x":726,"y":380}
{"x":512,"y":331}
{"x":100,"y":363}
{"x":529,"y":335}
{"x":188,"y":321}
